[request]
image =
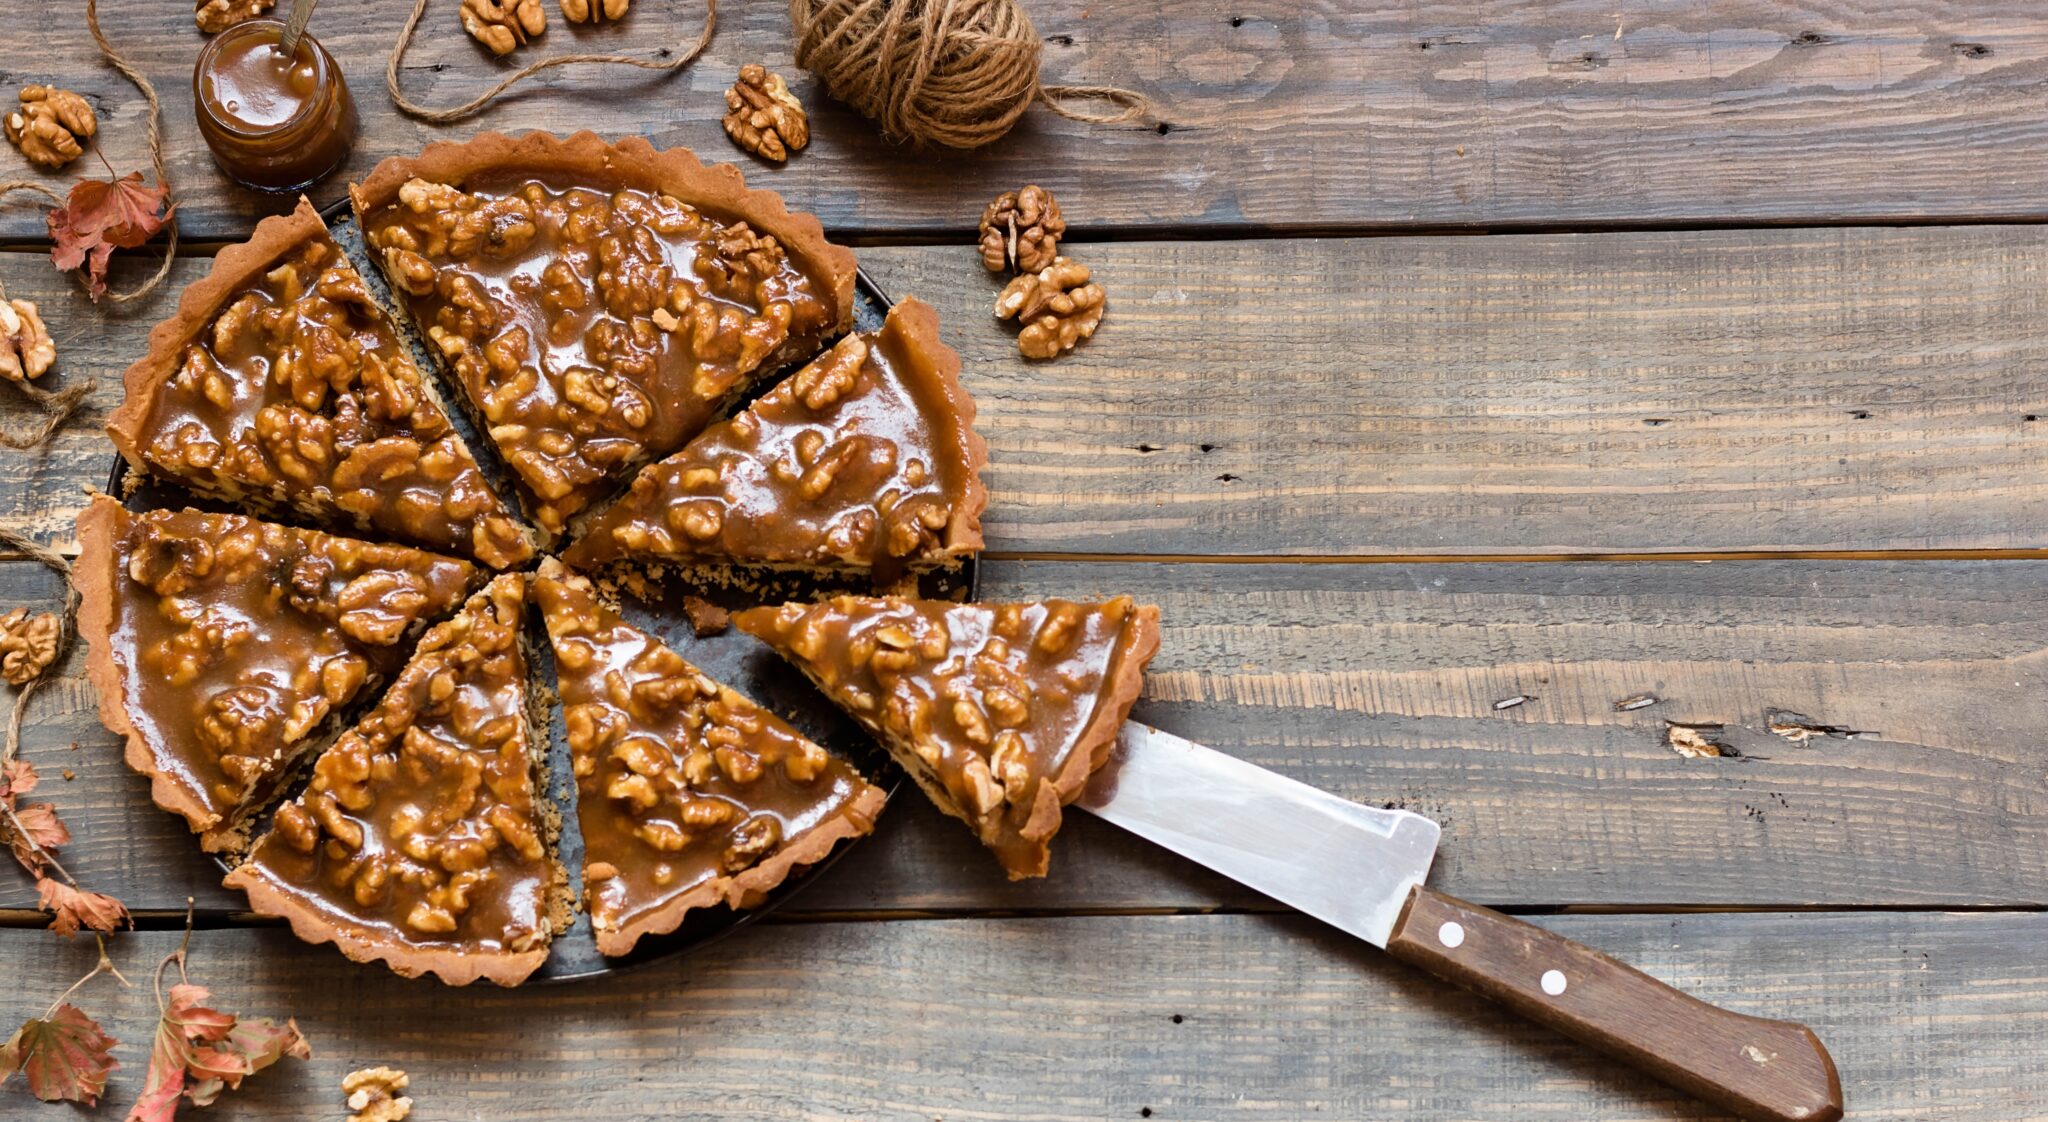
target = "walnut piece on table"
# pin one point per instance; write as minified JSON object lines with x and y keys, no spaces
{"x":1058,"y":307}
{"x":593,"y":11}
{"x":26,"y":350}
{"x":214,"y":16}
{"x":52,"y":126}
{"x":763,"y":117}
{"x":373,"y":1094}
{"x":503,"y":26}
{"x":1021,"y":231}
{"x":28,"y":643}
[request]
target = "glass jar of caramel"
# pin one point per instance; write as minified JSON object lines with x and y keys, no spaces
{"x":274,"y":123}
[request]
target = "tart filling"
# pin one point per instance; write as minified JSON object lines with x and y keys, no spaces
{"x":599,"y":304}
{"x":688,"y":794}
{"x":280,"y":384}
{"x":866,"y":459}
{"x":422,"y":839}
{"x":222,"y":647}
{"x":1000,"y":711}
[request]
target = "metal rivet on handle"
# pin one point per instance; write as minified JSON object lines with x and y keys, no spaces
{"x":1553,"y":982}
{"x":1451,"y":934}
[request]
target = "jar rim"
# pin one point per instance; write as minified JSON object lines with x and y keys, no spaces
{"x":307,"y":110}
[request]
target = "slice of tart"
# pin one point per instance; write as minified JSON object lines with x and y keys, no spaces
{"x":599,"y":303}
{"x":422,"y":839}
{"x":864,"y":460}
{"x":999,"y":711}
{"x":281,"y":386}
{"x":688,"y":794}
{"x":222,"y":648}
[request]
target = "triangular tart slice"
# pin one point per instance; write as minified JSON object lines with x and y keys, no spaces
{"x":422,"y":839}
{"x":281,"y":386}
{"x":865,"y":460}
{"x":223,"y":647}
{"x":999,"y":711}
{"x":599,"y":303}
{"x":688,"y":794}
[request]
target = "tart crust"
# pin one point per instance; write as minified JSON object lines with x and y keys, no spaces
{"x":586,"y":159}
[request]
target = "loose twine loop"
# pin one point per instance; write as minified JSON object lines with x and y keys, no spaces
{"x":956,"y":73}
{"x":477,"y":103}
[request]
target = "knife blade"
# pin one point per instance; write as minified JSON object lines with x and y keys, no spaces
{"x":1362,"y":869}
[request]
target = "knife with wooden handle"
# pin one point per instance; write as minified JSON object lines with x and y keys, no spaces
{"x":1361,"y":869}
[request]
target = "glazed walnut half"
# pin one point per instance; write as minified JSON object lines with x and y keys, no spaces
{"x":763,"y":117}
{"x":503,"y":26}
{"x":52,"y":126}
{"x":1057,"y":306}
{"x":1021,"y":231}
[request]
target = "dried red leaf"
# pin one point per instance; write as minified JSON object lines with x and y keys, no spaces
{"x":102,"y":215}
{"x":65,"y":1056}
{"x":17,"y":777}
{"x":200,"y":1052}
{"x":75,"y":908}
{"x":40,"y":822}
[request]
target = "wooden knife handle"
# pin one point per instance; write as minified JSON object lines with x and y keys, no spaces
{"x":1770,"y":1071}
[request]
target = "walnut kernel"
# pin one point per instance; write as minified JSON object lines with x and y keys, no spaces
{"x":28,"y":644}
{"x":52,"y":126}
{"x":373,"y":1095}
{"x":26,"y":350}
{"x":593,"y":11}
{"x":1021,"y":231}
{"x":503,"y":26}
{"x":1057,"y":307}
{"x":763,"y":117}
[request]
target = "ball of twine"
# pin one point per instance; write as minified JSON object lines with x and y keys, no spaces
{"x":956,"y":73}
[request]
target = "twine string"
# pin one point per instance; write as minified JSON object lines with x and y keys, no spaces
{"x":477,"y":103}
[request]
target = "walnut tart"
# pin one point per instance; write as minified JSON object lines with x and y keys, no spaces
{"x":598,"y":302}
{"x":281,"y":386}
{"x":687,"y":794}
{"x":865,"y":460}
{"x":224,"y":648}
{"x":999,"y":711}
{"x":423,"y":839}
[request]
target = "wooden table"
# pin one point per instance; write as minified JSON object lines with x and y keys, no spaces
{"x":1739,"y":402}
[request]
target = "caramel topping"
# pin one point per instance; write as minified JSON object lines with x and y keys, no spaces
{"x":682,"y":784}
{"x":857,"y":461}
{"x":238,"y":639}
{"x":989,"y":706}
{"x":593,"y":330}
{"x":300,"y":390}
{"x":420,"y":827}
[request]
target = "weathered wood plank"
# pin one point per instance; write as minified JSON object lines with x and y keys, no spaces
{"x":1084,"y":1019}
{"x":1380,"y":682}
{"x":1755,"y":390}
{"x":1280,"y":115}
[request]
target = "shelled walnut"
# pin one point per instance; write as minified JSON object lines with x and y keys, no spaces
{"x":1057,"y":306}
{"x":763,"y":117}
{"x":593,"y":11}
{"x":26,"y":350}
{"x":27,"y":644}
{"x":52,"y":126}
{"x":373,"y":1095}
{"x":503,"y":26}
{"x":1021,"y":231}
{"x":215,"y":16}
